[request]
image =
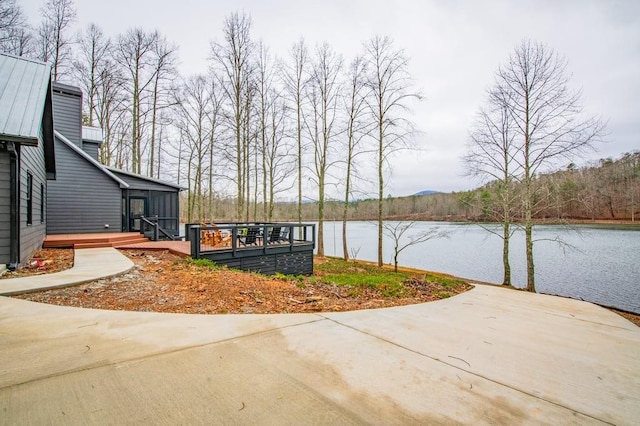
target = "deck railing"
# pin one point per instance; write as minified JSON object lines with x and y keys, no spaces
{"x":240,"y":237}
{"x":152,"y":224}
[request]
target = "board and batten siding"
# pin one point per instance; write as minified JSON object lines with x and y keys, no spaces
{"x":67,"y":112}
{"x":5,"y":197}
{"x":32,"y":236}
{"x":83,"y":198}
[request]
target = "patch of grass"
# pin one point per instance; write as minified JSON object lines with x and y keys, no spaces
{"x":338,"y":266}
{"x":358,"y":276}
{"x":372,"y":279}
{"x":291,"y":278}
{"x":447,"y":282}
{"x":204,"y":263}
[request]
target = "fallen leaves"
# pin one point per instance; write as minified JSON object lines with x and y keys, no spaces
{"x":44,"y":261}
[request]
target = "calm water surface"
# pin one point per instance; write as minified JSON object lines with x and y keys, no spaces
{"x":602,"y":267}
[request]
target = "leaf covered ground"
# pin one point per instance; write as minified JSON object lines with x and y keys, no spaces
{"x":44,"y":261}
{"x":163,"y":282}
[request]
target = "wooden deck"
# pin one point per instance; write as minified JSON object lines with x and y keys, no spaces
{"x":266,"y":248}
{"x":180,"y":248}
{"x":106,"y":239}
{"x":269,"y":252}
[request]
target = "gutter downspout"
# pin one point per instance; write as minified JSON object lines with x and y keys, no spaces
{"x":14,"y":206}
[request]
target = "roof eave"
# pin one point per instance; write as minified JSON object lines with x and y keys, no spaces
{"x":161,"y":182}
{"x":22,"y":140}
{"x":123,"y":184}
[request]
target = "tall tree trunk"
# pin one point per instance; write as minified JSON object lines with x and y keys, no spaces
{"x":531,"y":285}
{"x":505,"y":251}
{"x":299,"y":119}
{"x":345,"y":212}
{"x":321,"y":216}
{"x":380,"y":181}
{"x":154,"y":113}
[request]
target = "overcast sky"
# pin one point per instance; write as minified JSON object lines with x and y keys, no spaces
{"x":454,"y":49}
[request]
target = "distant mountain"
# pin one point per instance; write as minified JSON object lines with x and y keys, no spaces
{"x":427,"y":192}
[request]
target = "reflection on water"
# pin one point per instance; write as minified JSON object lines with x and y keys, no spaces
{"x":600,"y":265}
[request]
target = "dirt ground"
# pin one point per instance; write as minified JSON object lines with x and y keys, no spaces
{"x":163,"y":282}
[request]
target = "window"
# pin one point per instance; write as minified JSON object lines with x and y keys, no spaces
{"x":29,"y":199}
{"x":42,"y":203}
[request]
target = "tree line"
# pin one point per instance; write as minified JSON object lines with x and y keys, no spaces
{"x":256,"y":126}
{"x":605,"y":190}
{"x":251,"y":128}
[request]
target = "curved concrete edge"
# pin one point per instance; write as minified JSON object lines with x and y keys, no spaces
{"x":487,"y":356}
{"x":88,"y":265}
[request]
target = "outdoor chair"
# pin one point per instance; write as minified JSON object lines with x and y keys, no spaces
{"x":250,"y":238}
{"x":274,"y":235}
{"x":283,"y":237}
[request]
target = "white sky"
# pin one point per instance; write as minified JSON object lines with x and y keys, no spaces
{"x":454,"y":46}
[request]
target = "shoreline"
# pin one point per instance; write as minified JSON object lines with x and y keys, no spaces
{"x":631,"y":316}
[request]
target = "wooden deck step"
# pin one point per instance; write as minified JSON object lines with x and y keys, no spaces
{"x":118,"y":243}
{"x":93,"y":240}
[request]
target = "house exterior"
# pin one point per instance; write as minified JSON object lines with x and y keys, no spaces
{"x":27,"y":156}
{"x":51,"y":181}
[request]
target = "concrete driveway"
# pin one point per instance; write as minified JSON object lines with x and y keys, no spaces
{"x":489,"y":356}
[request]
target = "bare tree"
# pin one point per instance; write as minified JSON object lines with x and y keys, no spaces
{"x":215,"y":125}
{"x":323,"y":92}
{"x":94,"y":50}
{"x":15,"y":34}
{"x":111,"y":112}
{"x":296,"y":81}
{"x":355,"y":132}
{"x":249,"y":142}
{"x":164,"y":73}
{"x":277,"y":164}
{"x":194,"y":123}
{"x":54,"y":41}
{"x":397,"y":230}
{"x":389,"y":82}
{"x":264,"y":88}
{"x":135,"y":52}
{"x":630,"y":164}
{"x":548,"y":121}
{"x":233,"y":59}
{"x":490,"y":154}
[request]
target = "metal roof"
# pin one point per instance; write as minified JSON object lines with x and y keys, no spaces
{"x":92,"y":134}
{"x":145,"y":178}
{"x":24,"y":84}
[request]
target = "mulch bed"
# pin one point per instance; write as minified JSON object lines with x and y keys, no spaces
{"x":163,"y":282}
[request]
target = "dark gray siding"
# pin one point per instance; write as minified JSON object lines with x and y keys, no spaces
{"x":91,"y":148}
{"x":67,"y":112}
{"x":4,"y":208}
{"x":31,"y":236}
{"x":82,"y":198}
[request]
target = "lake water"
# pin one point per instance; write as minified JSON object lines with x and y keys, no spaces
{"x":603,"y":267}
